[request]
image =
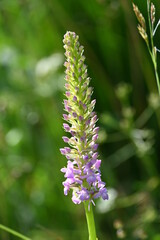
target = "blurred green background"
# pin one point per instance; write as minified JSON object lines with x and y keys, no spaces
{"x":31,"y":94}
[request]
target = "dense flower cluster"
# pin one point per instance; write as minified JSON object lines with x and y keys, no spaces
{"x":82,"y":173}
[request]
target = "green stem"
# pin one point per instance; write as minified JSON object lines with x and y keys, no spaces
{"x":152,"y":51}
{"x":90,"y":221}
{"x":156,"y":75}
{"x":152,"y":54}
{"x":14,"y":232}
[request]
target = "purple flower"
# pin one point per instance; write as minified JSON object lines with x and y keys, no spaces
{"x":95,"y":137}
{"x":63,"y":151}
{"x":83,"y":176}
{"x":97,"y":164}
{"x":75,"y":98}
{"x":91,"y":178}
{"x":84,"y":194}
{"x":85,"y":157}
{"x":95,"y":155}
{"x":66,"y":127}
{"x":68,"y":94}
{"x":65,"y":116}
{"x":75,"y":198}
{"x":65,"y":139}
{"x":104,"y":193}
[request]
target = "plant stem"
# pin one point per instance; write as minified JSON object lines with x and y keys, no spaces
{"x":90,"y":221}
{"x":14,"y":232}
{"x":153,"y":49}
{"x":156,"y":75}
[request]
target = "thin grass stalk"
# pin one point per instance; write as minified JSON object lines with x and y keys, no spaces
{"x":13,"y":232}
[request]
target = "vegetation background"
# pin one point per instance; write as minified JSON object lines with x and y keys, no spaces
{"x":31,"y":93}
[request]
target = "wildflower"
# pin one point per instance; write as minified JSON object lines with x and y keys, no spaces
{"x":82,"y":173}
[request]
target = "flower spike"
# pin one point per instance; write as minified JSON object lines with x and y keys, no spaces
{"x":82,"y":173}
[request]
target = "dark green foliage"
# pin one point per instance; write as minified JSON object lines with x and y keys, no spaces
{"x":31,"y":93}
